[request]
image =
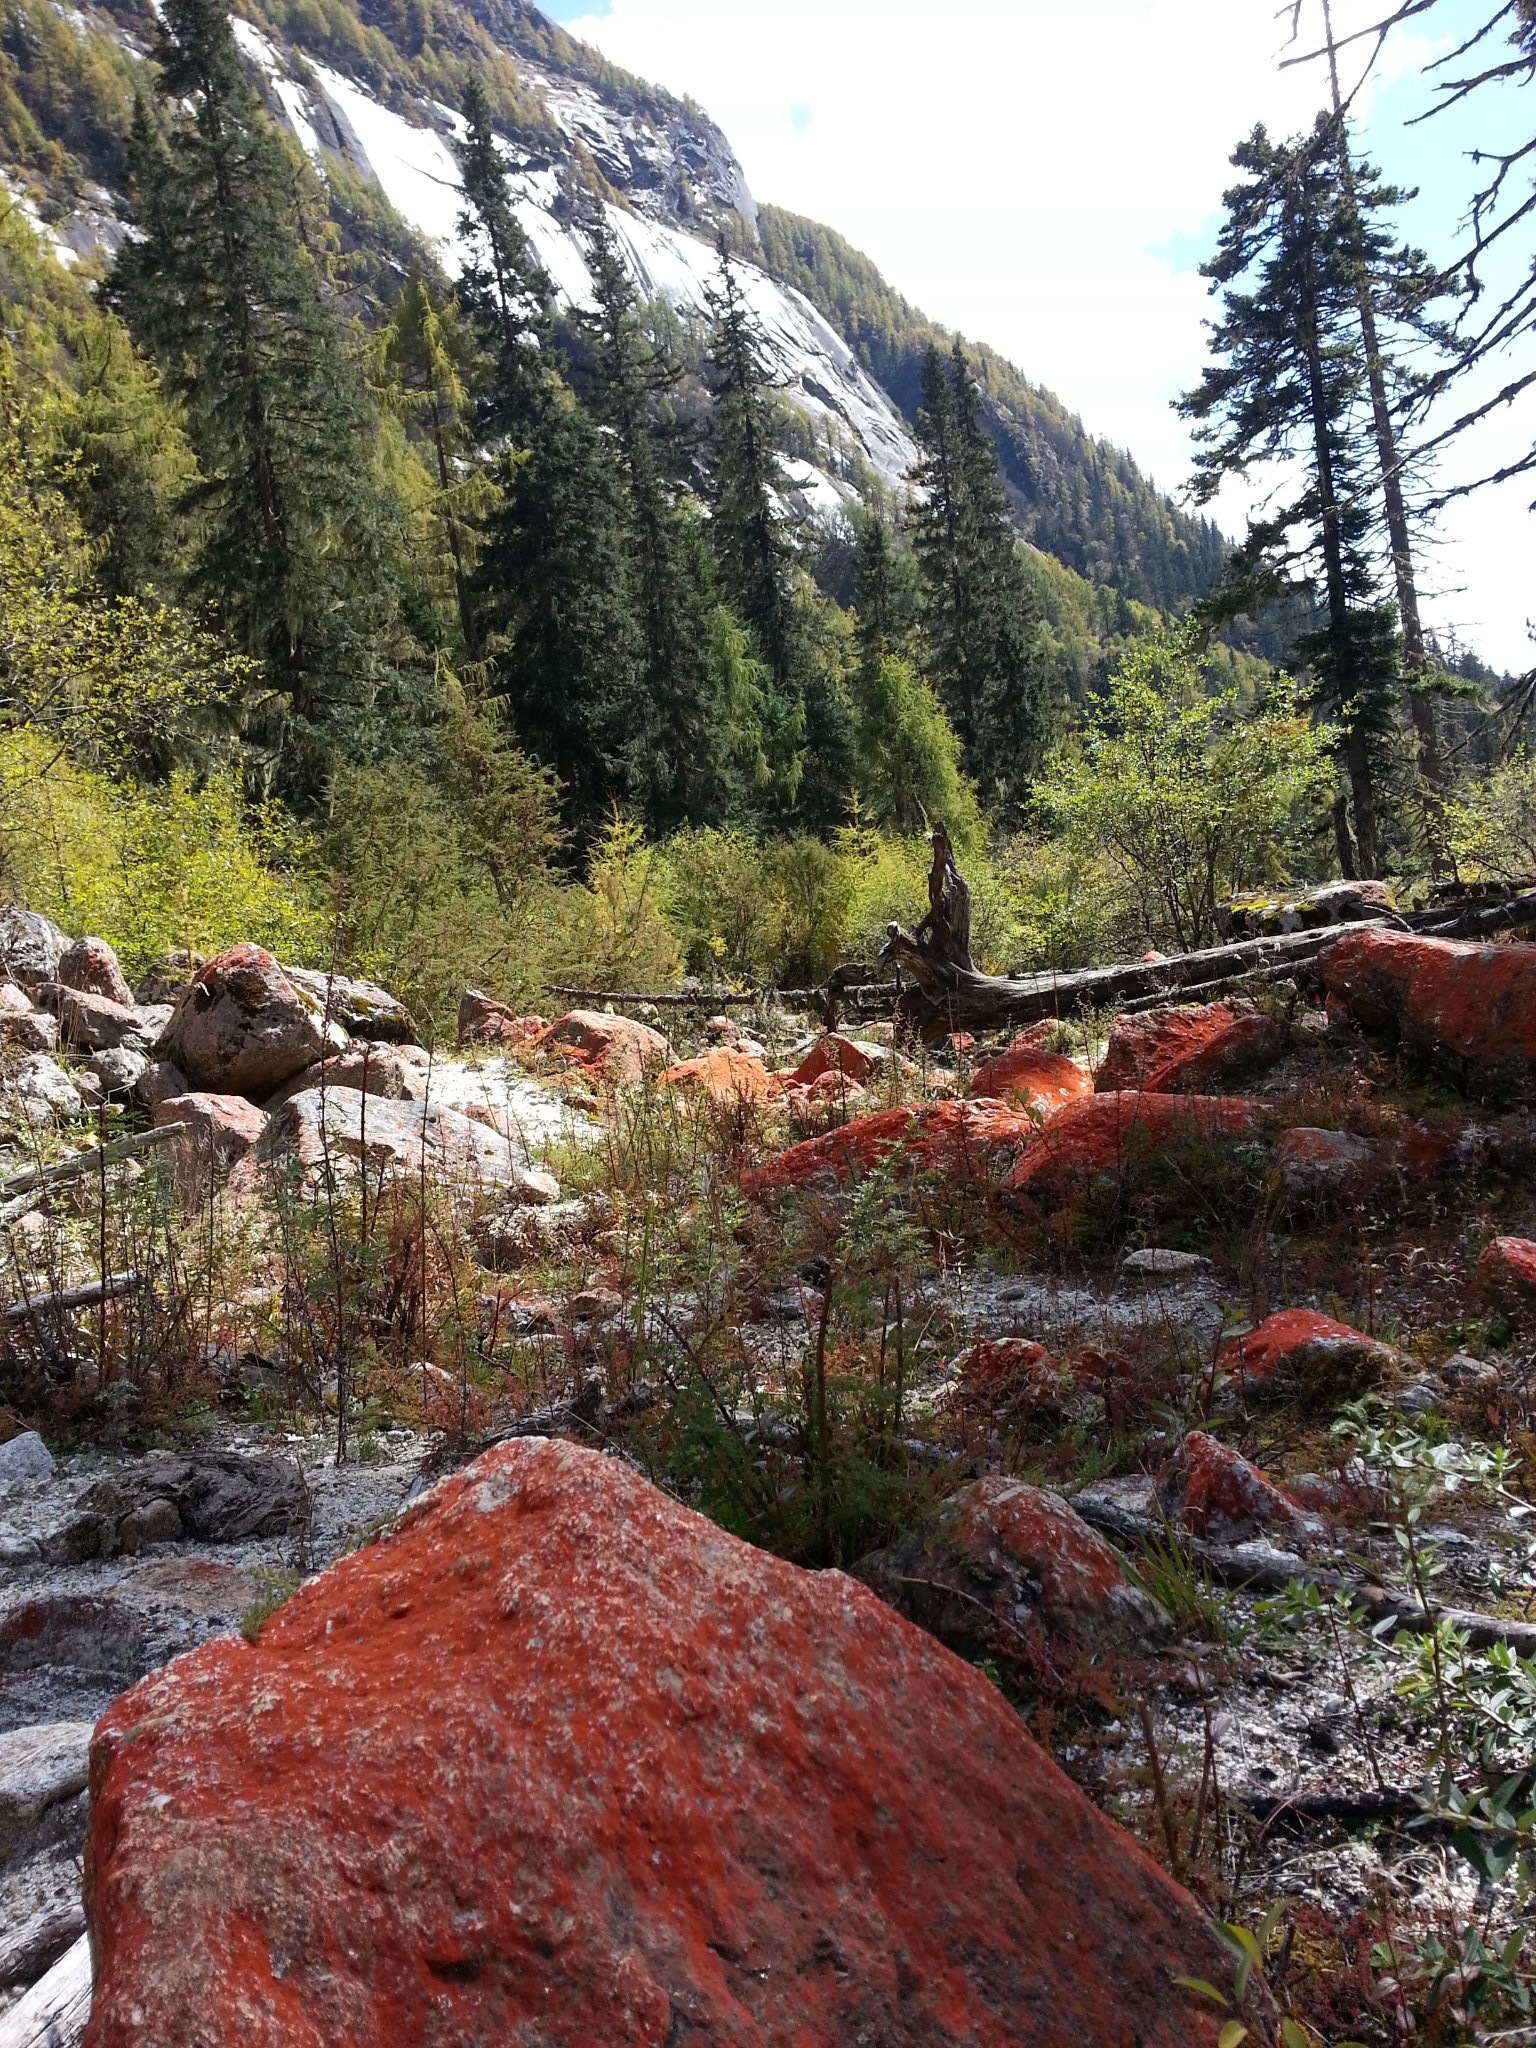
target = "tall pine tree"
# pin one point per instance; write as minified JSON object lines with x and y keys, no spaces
{"x":987,"y":656}
{"x":552,"y":588}
{"x":1288,"y":387}
{"x":220,"y":284}
{"x":681,"y":763}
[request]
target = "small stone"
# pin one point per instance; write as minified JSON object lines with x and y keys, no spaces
{"x":118,"y":1069}
{"x":1418,"y":1399}
{"x":595,"y":1305}
{"x":532,"y":1187}
{"x":155,"y":1522}
{"x":1463,"y":1371}
{"x":1320,"y":1166}
{"x":1154,"y":1263}
{"x":44,"y":1090}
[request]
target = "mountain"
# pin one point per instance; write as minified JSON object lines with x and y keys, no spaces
{"x":369,"y":89}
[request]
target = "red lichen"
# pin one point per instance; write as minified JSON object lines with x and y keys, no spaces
{"x":1186,"y":1050}
{"x":1507,"y":1270}
{"x":960,"y":1139}
{"x":560,"y":1761}
{"x":1475,"y":1003}
{"x":1102,"y":1133}
{"x":1046,"y":1079}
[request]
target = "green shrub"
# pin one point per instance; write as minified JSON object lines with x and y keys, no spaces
{"x":150,"y":868}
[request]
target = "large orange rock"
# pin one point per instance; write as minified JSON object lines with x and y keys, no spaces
{"x":614,"y":1049}
{"x":1476,"y":1004}
{"x":1186,"y":1051}
{"x":558,"y":1761}
{"x":1048,"y":1080}
{"x":958,"y":1138}
{"x":730,"y":1080}
{"x":834,"y":1054}
{"x":1105,"y":1134}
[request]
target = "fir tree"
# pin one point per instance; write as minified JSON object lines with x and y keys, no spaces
{"x":681,"y":757}
{"x":753,"y":554}
{"x":983,"y":625}
{"x":427,"y":358}
{"x":552,"y":586}
{"x":222,"y":287}
{"x":504,"y":287}
{"x":1287,"y":386}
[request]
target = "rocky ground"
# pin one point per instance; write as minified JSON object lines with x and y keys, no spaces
{"x":1174,"y":1372}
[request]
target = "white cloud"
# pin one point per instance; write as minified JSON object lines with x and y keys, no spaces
{"x":1039,"y":176}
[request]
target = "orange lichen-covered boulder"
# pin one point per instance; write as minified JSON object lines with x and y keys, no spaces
{"x":835,"y":1054}
{"x":1003,"y":1556}
{"x":1507,"y":1271}
{"x":1212,"y":1491}
{"x":615,"y":1049}
{"x":558,"y":1760}
{"x":960,"y":1139}
{"x":1186,"y":1051}
{"x":1297,"y":1351}
{"x":1107,"y":1134}
{"x":1476,"y":1004}
{"x":1048,"y":1080}
{"x":730,"y":1080}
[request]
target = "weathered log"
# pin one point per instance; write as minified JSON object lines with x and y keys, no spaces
{"x":38,"y":1945}
{"x":945,"y":999}
{"x":63,"y":1299}
{"x":21,"y":1190}
{"x":55,"y":2011}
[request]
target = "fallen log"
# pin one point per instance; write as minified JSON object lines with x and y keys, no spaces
{"x":945,"y":998}
{"x":20,"y":1190}
{"x":63,"y":1299}
{"x":55,"y":2011}
{"x":1517,"y":913}
{"x":35,"y":1947}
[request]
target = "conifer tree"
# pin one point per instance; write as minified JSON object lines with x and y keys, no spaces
{"x":806,"y":707}
{"x":552,"y":586}
{"x":983,"y":626}
{"x":427,"y":357}
{"x":504,"y":288}
{"x":681,"y":756}
{"x":1287,"y":386}
{"x":222,"y":287}
{"x":753,"y":553}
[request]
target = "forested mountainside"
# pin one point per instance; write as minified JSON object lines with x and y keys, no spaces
{"x":1077,"y":498}
{"x":372,"y":91}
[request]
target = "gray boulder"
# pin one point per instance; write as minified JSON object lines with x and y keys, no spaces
{"x":25,"y":1457}
{"x":362,"y":1008}
{"x":40,"y":1767}
{"x":30,"y":947}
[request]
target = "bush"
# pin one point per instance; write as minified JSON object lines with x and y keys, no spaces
{"x":150,"y":869}
{"x":1181,"y":797}
{"x":1491,"y":828}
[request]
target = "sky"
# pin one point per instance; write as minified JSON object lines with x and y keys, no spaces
{"x":1048,"y":179}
